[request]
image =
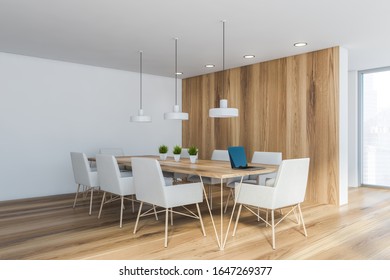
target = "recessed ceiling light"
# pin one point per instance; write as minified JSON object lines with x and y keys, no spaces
{"x":179,"y":73}
{"x":300,"y":44}
{"x":249,"y":56}
{"x":209,"y":65}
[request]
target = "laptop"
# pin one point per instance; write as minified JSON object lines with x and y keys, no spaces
{"x":238,"y":160}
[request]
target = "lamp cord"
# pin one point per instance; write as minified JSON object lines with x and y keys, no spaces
{"x":223,"y":58}
{"x":140,"y":79}
{"x":175,"y":71}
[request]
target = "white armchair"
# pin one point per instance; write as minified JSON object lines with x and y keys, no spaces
{"x":114,"y":182}
{"x":150,"y":188}
{"x":84,"y":176}
{"x":288,"y":191}
{"x":274,"y":158}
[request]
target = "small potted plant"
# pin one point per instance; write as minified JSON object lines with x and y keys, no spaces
{"x":193,"y":152}
{"x":176,"y":152}
{"x":163,"y":150}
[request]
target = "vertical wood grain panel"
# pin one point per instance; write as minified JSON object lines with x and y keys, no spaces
{"x":288,"y":105}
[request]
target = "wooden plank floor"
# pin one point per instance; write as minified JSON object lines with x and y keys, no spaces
{"x":49,"y":228}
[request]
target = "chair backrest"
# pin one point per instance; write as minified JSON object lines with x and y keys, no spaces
{"x":267,"y":157}
{"x":184,"y":153}
{"x":222,"y":155}
{"x":81,"y":169}
{"x":112,"y":151}
{"x":109,"y":174}
{"x":291,"y":181}
{"x":148,"y":181}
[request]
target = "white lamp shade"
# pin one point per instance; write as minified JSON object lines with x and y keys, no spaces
{"x":176,"y":114}
{"x":140,"y":117}
{"x":223,"y":111}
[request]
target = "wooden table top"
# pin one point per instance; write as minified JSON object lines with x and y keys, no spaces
{"x":206,"y":168}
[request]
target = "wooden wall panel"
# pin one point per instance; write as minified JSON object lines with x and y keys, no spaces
{"x":288,"y":105}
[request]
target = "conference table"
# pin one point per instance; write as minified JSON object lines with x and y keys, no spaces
{"x":207,"y":168}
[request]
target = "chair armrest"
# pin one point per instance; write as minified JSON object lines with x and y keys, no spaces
{"x":168,"y":181}
{"x":255,"y":195}
{"x":126,"y":173}
{"x":126,"y":185}
{"x":230,"y":182}
{"x":262,"y":179}
{"x":184,"y":194}
{"x":270,"y":182}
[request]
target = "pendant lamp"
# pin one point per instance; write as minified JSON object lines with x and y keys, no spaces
{"x":140,"y":117}
{"x":223,"y":111}
{"x":176,"y":114}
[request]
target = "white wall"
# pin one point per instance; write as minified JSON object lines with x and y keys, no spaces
{"x":49,"y":108}
{"x":353,"y":129}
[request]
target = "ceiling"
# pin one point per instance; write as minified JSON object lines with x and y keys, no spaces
{"x":110,"y":33}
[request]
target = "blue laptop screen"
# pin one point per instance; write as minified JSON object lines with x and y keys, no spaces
{"x":237,"y":157}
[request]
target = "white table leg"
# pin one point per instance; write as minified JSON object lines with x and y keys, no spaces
{"x":211,"y":214}
{"x":222,"y":239}
{"x":234,"y":207}
{"x":223,"y":245}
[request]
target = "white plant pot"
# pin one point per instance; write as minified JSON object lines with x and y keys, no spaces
{"x":193,"y":158}
{"x":176,"y":157}
{"x":163,"y":156}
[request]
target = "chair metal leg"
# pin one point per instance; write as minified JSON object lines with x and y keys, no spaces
{"x":132,"y":202}
{"x":139,"y":213}
{"x":228,"y":198}
{"x":90,"y":203}
{"x":166,"y":227}
{"x":238,"y":216}
{"x":101,"y":205}
{"x":171,"y":216}
{"x":85,"y":192}
{"x":122,"y":206}
{"x":77,"y":193}
{"x":210,"y":197}
{"x":273,"y":228}
{"x":301,"y":216}
{"x":296,"y":215}
{"x":155,"y":212}
{"x":201,"y":220}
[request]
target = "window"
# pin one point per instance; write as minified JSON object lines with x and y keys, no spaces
{"x":374,"y":87}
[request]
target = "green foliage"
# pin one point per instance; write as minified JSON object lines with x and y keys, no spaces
{"x":177,"y":150}
{"x":192,"y":151}
{"x":163,"y":149}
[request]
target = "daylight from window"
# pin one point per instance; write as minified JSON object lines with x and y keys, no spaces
{"x":376,"y":128}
